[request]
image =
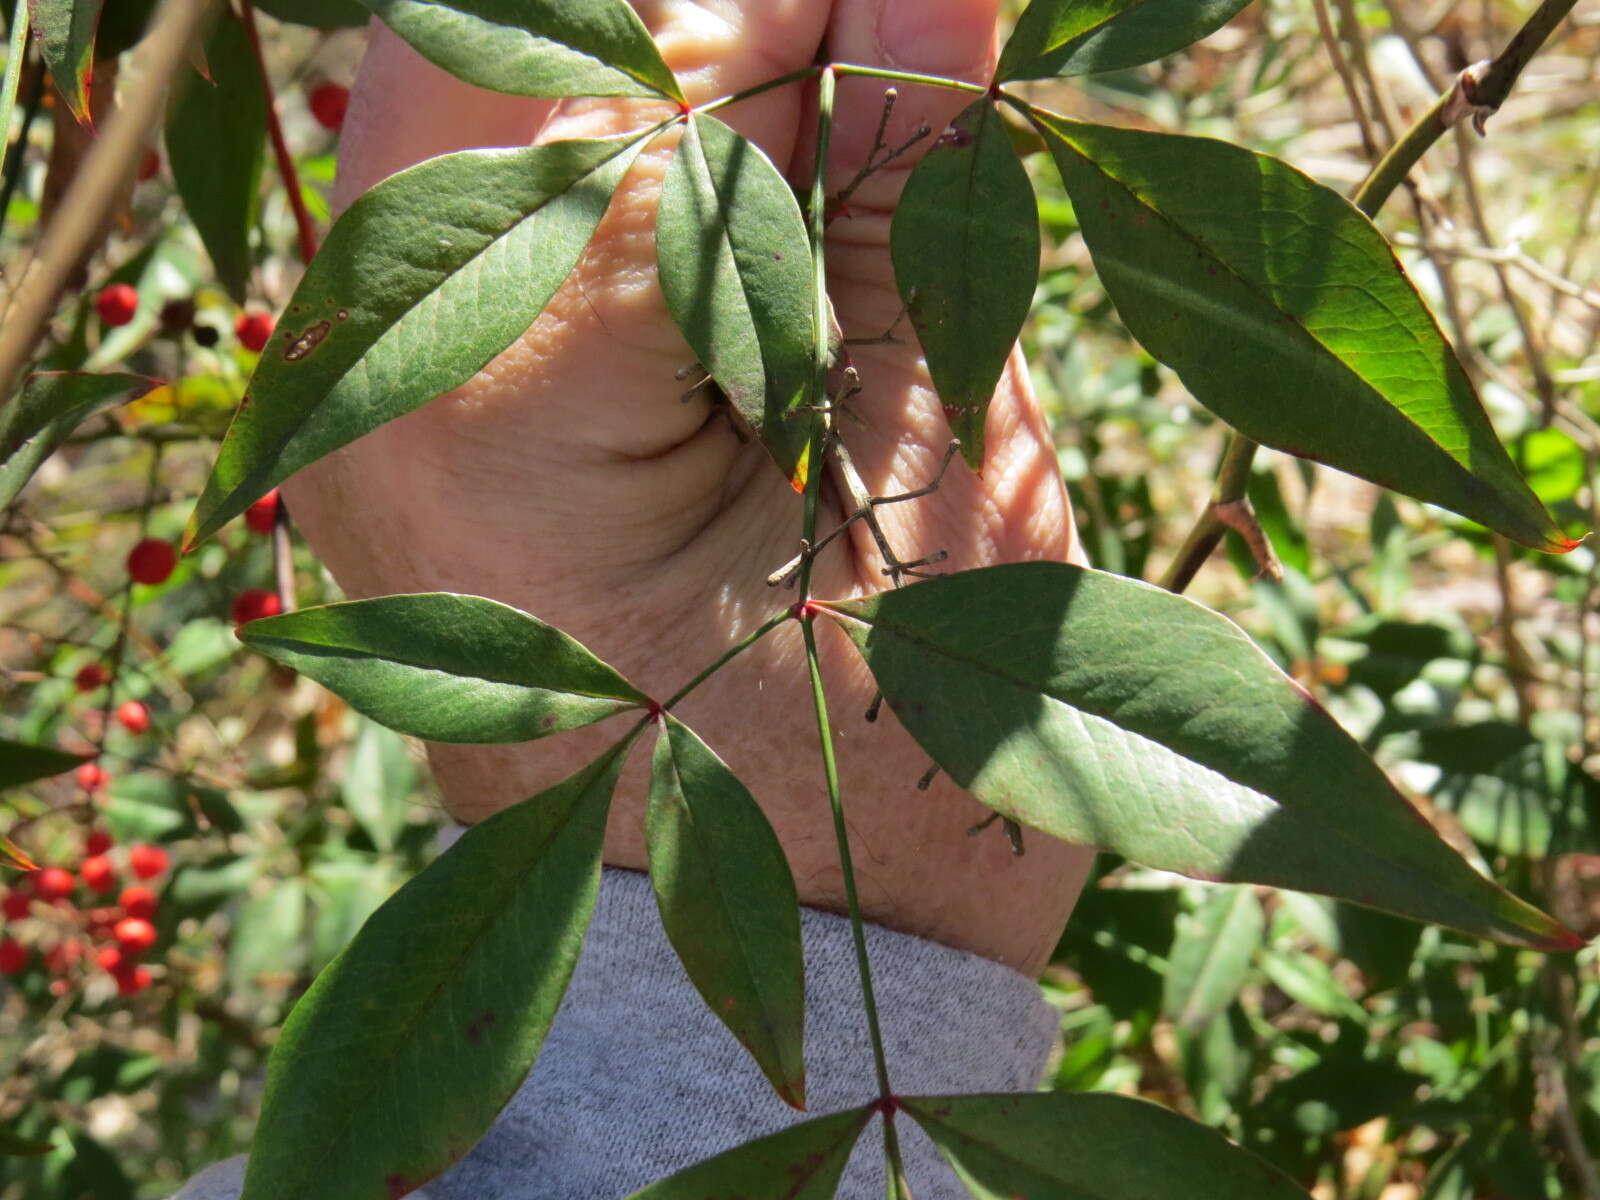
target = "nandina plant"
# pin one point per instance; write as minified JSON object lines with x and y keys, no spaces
{"x":1276,"y":301}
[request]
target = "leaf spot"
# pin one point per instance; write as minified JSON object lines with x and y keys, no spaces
{"x":303,"y":344}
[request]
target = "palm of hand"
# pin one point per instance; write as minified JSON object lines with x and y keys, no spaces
{"x":570,"y":479}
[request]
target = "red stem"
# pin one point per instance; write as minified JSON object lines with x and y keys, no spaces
{"x":280,"y":148}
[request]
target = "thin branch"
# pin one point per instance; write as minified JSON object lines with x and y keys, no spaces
{"x":306,"y":227}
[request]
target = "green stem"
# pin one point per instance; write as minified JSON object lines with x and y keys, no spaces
{"x":817,"y":220}
{"x":732,"y":653}
{"x":711,"y":106}
{"x":15,"y":53}
{"x":17,"y":155}
{"x":960,"y":85}
{"x":1233,"y":477}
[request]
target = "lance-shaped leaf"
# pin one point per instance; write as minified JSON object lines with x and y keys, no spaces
{"x":447,"y":668}
{"x":14,"y":855}
{"x":51,"y":406}
{"x":65,"y":31}
{"x":802,"y":1162}
{"x":1211,"y":956}
{"x":1066,"y":1146}
{"x":455,"y":982}
{"x":1113,"y":713}
{"x":1285,"y":312}
{"x":536,"y":47}
{"x":965,"y":245}
{"x":215,"y":146}
{"x":728,"y":903}
{"x":1078,"y":37}
{"x":21,"y":762}
{"x":423,"y":280}
{"x":735,"y":269}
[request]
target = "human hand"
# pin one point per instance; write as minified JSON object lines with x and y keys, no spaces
{"x":570,"y":480}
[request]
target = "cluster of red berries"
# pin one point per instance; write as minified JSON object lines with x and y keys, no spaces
{"x":118,"y":303}
{"x":114,"y":937}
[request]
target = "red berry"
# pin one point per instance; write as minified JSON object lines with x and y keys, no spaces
{"x":254,"y":604}
{"x":132,"y":979}
{"x":133,"y":716}
{"x":138,"y":901}
{"x":96,"y":841}
{"x":263,"y":514}
{"x":92,"y":777}
{"x":135,"y":935}
{"x":17,"y":904}
{"x":116,"y":304}
{"x":110,"y":958}
{"x":147,"y":861}
{"x":90,"y":677}
{"x":149,"y":165}
{"x":98,"y":874}
{"x":253,"y":330}
{"x":328,"y":102}
{"x":54,"y":883}
{"x":152,"y":561}
{"x":13,"y":956}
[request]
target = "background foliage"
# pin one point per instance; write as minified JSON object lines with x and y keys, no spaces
{"x":1370,"y":1056}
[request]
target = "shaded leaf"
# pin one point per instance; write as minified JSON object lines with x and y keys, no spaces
{"x":965,"y":245}
{"x":50,"y":406}
{"x":1061,"y":1146}
{"x":377,"y":783}
{"x":1113,"y":713}
{"x":425,"y":278}
{"x":1211,"y":956}
{"x":447,"y":668}
{"x":728,"y":903}
{"x":1078,"y":37}
{"x":22,"y":763}
{"x":321,"y":14}
{"x":536,"y":47}
{"x":267,"y":947}
{"x":802,"y":1162}
{"x":13,"y":1145}
{"x":65,"y":32}
{"x":215,"y":147}
{"x":735,"y":269}
{"x":455,"y":980}
{"x":1283,"y":309}
{"x":148,"y":807}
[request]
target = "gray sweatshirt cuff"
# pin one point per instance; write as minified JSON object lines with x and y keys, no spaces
{"x":638,"y":1079}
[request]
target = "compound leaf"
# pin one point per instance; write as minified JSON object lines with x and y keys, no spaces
{"x":965,"y":245}
{"x":536,"y":47}
{"x":735,"y":269}
{"x":52,"y":404}
{"x":802,"y":1162}
{"x":1079,"y":37}
{"x":728,"y":903}
{"x":65,"y":31}
{"x":447,"y":668}
{"x":1283,"y":309}
{"x":1063,"y":1146}
{"x":1109,"y":712}
{"x":455,"y":980}
{"x":424,"y":279}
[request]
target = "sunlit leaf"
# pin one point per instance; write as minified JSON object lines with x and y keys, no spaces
{"x":377,"y":782}
{"x":1211,"y":956}
{"x":49,"y":408}
{"x":446,"y":667}
{"x":965,"y":245}
{"x":1078,"y":37}
{"x":802,"y":1162}
{"x":215,"y":147}
{"x":728,"y":903}
{"x":424,"y":279}
{"x":735,"y":269}
{"x":536,"y":47}
{"x":1061,"y":1146}
{"x":267,"y":944}
{"x":13,"y":855}
{"x":454,"y":981}
{"x":1285,"y":312}
{"x":1113,"y":713}
{"x":22,"y":763}
{"x":65,"y":32}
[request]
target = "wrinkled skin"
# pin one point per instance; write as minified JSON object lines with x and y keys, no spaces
{"x":569,"y":479}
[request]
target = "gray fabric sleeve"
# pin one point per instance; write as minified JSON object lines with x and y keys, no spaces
{"x":638,"y":1079}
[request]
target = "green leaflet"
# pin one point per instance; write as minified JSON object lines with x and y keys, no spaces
{"x":802,"y":1162}
{"x":455,"y":980}
{"x":215,"y":146}
{"x":1064,"y":1146}
{"x":419,"y":285}
{"x":728,"y":903}
{"x":1113,"y":713}
{"x":1211,"y":956}
{"x":65,"y":33}
{"x":1079,"y":37}
{"x":965,"y":245}
{"x":448,"y":668}
{"x":22,"y":763}
{"x":52,"y":404}
{"x":735,"y":268}
{"x":536,"y":47}
{"x":1284,"y":311}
